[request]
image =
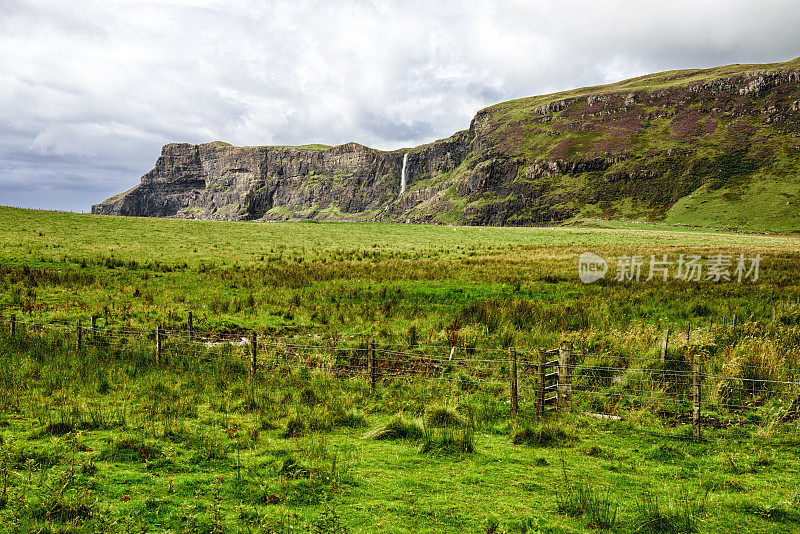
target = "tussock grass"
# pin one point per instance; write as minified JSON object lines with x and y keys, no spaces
{"x":399,"y":427}
{"x":442,"y":417}
{"x":458,"y":439}
{"x":295,"y":427}
{"x":549,"y":434}
{"x":680,"y":516}
{"x":584,"y":500}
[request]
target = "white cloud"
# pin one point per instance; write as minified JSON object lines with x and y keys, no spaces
{"x":90,"y":90}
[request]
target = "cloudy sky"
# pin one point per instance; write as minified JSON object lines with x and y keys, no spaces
{"x":91,"y":90}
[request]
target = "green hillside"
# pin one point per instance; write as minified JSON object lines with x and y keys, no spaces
{"x":717,"y":147}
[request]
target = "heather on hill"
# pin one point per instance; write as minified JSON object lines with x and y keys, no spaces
{"x":718,"y":147}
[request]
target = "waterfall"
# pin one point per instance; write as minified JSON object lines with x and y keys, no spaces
{"x":403,"y":174}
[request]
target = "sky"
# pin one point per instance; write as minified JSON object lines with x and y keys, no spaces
{"x":91,"y":90}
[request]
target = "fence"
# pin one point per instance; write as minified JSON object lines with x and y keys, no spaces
{"x":545,"y":379}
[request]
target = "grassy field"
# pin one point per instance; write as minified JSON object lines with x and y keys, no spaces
{"x":107,"y":439}
{"x":363,"y":279}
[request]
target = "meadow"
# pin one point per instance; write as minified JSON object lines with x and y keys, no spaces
{"x":107,"y":438}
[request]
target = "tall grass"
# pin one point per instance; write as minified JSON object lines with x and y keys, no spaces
{"x":584,"y":500}
{"x":681,"y":514}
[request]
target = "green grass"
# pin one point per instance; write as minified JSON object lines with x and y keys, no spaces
{"x":106,"y":440}
{"x":768,"y":203}
{"x":310,"y":146}
{"x":103,"y":439}
{"x":359,"y":279}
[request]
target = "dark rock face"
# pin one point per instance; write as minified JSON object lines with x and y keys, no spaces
{"x":219,"y":181}
{"x":518,"y":164}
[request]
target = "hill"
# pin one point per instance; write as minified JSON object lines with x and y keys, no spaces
{"x":714,"y":147}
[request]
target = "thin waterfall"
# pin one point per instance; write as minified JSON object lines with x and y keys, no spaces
{"x":403,"y":174}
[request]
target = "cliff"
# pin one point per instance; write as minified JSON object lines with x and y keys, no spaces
{"x":714,"y":146}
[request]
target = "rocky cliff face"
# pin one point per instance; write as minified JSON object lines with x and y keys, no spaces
{"x":633,"y":149}
{"x":220,"y":181}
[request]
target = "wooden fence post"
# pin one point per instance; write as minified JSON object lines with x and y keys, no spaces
{"x":540,"y":384}
{"x":190,"y":325}
{"x":13,"y":324}
{"x":514,"y":398}
{"x":253,"y":354}
{"x":371,"y":367}
{"x":564,"y":373}
{"x":688,"y":331}
{"x":158,"y":345}
{"x":696,"y":394}
{"x":94,"y":328}
{"x":710,"y":324}
{"x":79,"y":332}
{"x":665,"y":345}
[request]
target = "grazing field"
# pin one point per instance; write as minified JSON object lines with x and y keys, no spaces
{"x":106,"y":438}
{"x":367,"y":279}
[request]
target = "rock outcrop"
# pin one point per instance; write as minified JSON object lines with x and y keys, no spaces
{"x":631,"y":149}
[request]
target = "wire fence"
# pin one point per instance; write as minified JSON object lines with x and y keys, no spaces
{"x":674,"y":387}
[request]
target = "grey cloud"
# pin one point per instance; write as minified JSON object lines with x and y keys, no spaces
{"x":392,"y":129}
{"x":90,"y":91}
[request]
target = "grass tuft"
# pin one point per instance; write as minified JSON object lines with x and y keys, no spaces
{"x":582,"y":499}
{"x":543,"y":435}
{"x":679,"y":517}
{"x":442,"y":417}
{"x":449,"y":440}
{"x":295,"y":427}
{"x":397,"y":428}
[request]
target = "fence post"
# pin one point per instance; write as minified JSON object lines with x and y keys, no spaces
{"x":158,"y":345}
{"x":688,"y":331}
{"x":773,"y":314}
{"x":564,"y":373}
{"x":665,"y":345}
{"x":696,"y":394}
{"x":94,"y":328}
{"x":371,"y":367}
{"x":514,"y":399}
{"x":540,"y":384}
{"x":733,"y":323}
{"x":253,"y":354}
{"x":79,"y":332}
{"x":710,"y":324}
{"x":13,"y":324}
{"x":191,"y":328}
